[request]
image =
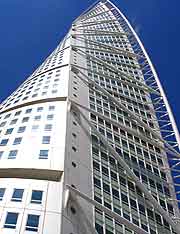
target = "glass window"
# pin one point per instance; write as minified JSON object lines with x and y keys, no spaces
{"x":2,"y":191}
{"x":48,"y":127}
{"x":25,"y":119}
{"x":17,"y":195}
{"x":17,"y":113}
{"x":39,"y":109}
{"x":9,"y":131}
{"x":14,"y":121}
{"x":35,"y":127}
{"x":3,"y":124}
{"x":51,"y":108}
{"x":32,"y":223}
{"x":50,"y":117}
{"x":11,"y":220}
{"x":4,"y":142}
{"x":17,"y":140}
{"x":36,"y":196}
{"x":43,"y":154}
{"x":12,"y":154}
{"x":7,"y":116}
{"x":21,"y":129}
{"x":37,"y":117}
{"x":34,"y":95}
{"x":28,"y":111}
{"x":46,"y":140}
{"x":99,"y":228}
{"x":124,"y":198}
{"x":1,"y":153}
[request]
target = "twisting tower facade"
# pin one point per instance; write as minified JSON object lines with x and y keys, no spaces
{"x":88,"y":143}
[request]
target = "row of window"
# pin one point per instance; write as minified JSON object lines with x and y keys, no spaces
{"x":25,"y":120}
{"x":49,"y":77}
{"x":127,"y":141}
{"x":43,"y":154}
{"x":21,"y":129}
{"x":129,"y":68}
{"x":54,"y":91}
{"x":32,"y":93}
{"x":31,"y":224}
{"x":28,"y":111}
{"x":134,"y":105}
{"x":116,"y":178}
{"x":35,"y":86}
{"x":50,"y":62}
{"x":25,"y":92}
{"x":113,"y":177}
{"x":134,"y":161}
{"x":17,"y":196}
{"x":115,"y":193}
{"x":117,"y":64}
{"x":18,"y":140}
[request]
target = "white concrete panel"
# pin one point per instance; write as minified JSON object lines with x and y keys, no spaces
{"x":52,"y":223}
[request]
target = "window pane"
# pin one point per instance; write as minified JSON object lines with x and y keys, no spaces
{"x":11,"y":220}
{"x":38,"y":117}
{"x":14,"y":121}
{"x":2,"y":191}
{"x":17,"y":113}
{"x":7,"y":116}
{"x":48,"y":127}
{"x":32,"y":223}
{"x":17,"y":140}
{"x":39,"y":109}
{"x":12,"y":154}
{"x":4,"y":142}
{"x":17,"y":195}
{"x":50,"y":117}
{"x":46,"y":140}
{"x":21,"y":129}
{"x":1,"y":153}
{"x":51,"y":108}
{"x":9,"y":131}
{"x":35,"y":127}
{"x":43,"y":154}
{"x":3,"y":124}
{"x":36,"y":196}
{"x":28,"y":111}
{"x":25,"y":119}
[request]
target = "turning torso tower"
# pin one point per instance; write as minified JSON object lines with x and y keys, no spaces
{"x":88,"y":143}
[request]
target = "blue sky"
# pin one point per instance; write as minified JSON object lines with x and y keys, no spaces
{"x":30,"y":30}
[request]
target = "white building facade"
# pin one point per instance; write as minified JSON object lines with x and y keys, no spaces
{"x":88,"y":143}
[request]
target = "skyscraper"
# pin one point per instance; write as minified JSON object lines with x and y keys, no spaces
{"x":88,"y":143}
